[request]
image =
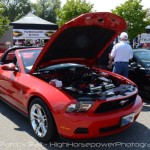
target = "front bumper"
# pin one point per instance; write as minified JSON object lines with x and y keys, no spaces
{"x":84,"y":125}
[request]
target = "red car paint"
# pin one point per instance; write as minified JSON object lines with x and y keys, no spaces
{"x":20,"y":87}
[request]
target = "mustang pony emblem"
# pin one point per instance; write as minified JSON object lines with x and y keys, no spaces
{"x":123,"y":102}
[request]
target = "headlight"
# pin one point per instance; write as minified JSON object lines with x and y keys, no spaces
{"x":79,"y":107}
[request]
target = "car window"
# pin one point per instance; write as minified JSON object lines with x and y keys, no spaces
{"x":28,"y":58}
{"x":10,"y":57}
{"x":144,"y":56}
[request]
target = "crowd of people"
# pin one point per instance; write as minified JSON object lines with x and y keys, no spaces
{"x":30,"y":42}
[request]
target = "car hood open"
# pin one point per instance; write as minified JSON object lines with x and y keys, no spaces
{"x":81,"y":40}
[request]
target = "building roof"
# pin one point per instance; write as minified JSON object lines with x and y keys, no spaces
{"x":31,"y":21}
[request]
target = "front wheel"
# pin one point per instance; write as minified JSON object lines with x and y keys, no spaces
{"x":42,"y":121}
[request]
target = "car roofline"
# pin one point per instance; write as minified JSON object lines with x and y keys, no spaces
{"x":13,"y":49}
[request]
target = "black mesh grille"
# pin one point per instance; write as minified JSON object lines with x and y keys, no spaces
{"x":114,"y":105}
{"x":81,"y":131}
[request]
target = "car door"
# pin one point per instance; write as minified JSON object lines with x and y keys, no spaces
{"x":136,"y":72}
{"x":10,"y":88}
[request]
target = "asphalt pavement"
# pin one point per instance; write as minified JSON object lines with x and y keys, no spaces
{"x":16,"y":134}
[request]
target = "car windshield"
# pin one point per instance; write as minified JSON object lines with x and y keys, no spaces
{"x":28,"y":58}
{"x":144,"y":56}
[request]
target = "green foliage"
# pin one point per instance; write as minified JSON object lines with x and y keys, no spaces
{"x":134,"y":15}
{"x":15,"y":9}
{"x":72,"y":9}
{"x":46,"y":9}
{"x":4,"y":25}
{"x":4,"y":22}
{"x":148,"y":16}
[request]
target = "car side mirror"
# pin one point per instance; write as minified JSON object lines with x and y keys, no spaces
{"x":135,"y":65}
{"x":9,"y":67}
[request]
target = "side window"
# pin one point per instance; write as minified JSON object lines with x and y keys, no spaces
{"x":9,"y":58}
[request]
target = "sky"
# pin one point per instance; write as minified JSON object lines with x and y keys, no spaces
{"x":108,"y":5}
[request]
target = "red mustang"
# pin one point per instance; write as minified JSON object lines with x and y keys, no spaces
{"x":59,"y":88}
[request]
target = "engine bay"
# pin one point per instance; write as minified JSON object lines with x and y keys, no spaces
{"x":84,"y":83}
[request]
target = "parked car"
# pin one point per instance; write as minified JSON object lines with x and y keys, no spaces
{"x":59,"y":88}
{"x":139,"y":70}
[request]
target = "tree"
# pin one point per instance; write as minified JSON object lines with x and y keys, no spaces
{"x":15,"y":9}
{"x":134,"y":15}
{"x":72,"y":9}
{"x":46,"y":9}
{"x":4,"y":22}
{"x":148,"y":15}
{"x":4,"y":25}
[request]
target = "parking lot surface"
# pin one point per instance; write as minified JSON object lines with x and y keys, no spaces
{"x":16,"y":134}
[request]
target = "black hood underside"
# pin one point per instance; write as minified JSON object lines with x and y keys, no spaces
{"x":79,"y":42}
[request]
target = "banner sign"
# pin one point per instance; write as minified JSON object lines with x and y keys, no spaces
{"x":32,"y":34}
{"x":145,"y":38}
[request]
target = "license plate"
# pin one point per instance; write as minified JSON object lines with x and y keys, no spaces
{"x":127,"y":119}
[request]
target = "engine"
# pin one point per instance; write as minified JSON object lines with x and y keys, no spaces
{"x":84,"y":83}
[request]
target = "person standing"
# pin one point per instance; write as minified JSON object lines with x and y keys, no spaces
{"x":121,"y":54}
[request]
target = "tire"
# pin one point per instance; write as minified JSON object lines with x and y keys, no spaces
{"x":42,"y":121}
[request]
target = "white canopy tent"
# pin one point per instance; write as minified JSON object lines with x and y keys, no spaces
{"x":32,"y":27}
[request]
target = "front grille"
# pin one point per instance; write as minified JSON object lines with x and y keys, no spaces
{"x":116,"y":104}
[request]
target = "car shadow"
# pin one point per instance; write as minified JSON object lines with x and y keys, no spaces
{"x":15,"y":117}
{"x":146,"y":104}
{"x":133,"y":138}
{"x":136,"y":136}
